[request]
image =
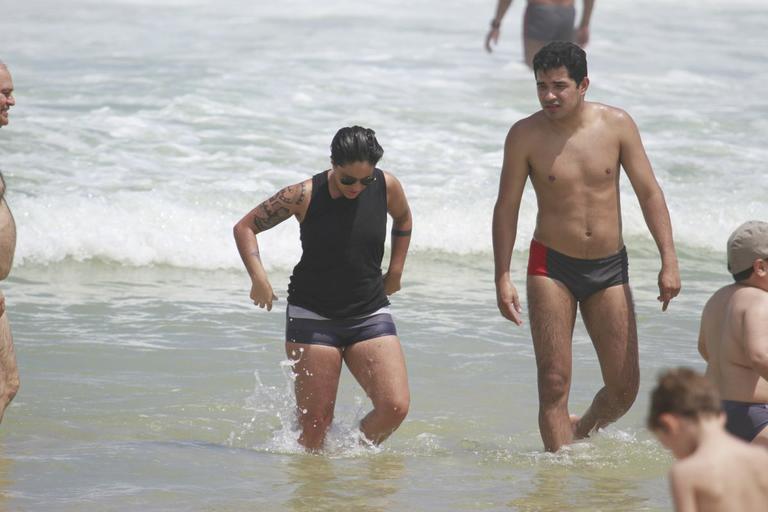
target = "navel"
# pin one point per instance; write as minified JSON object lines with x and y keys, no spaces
{"x":607,"y":171}
{"x":551,"y":178}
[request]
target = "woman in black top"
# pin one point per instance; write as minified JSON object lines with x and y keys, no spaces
{"x":337,"y":298}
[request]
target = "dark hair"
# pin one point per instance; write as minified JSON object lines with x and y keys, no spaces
{"x":744,"y":274}
{"x":683,"y":392}
{"x":355,"y":144}
{"x":562,"y":53}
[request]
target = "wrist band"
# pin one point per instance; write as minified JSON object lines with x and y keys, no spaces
{"x":399,"y":232}
{"x":495,"y":23}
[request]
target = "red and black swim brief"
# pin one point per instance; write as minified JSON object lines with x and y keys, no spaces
{"x":582,"y":277}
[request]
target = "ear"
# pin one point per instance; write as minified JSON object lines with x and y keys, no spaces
{"x":668,"y":423}
{"x":760,"y":267}
{"x":584,"y":85}
{"x":722,"y":419}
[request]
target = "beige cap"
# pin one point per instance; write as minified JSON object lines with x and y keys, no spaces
{"x":745,"y":245}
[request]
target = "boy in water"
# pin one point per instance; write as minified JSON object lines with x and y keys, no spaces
{"x":714,"y":471}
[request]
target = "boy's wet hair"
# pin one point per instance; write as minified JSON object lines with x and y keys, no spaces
{"x":683,"y":392}
{"x":355,"y":144}
{"x":562,"y":53}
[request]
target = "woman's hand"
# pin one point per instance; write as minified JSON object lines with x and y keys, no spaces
{"x":262,"y":294}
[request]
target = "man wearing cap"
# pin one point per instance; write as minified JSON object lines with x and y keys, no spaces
{"x":733,"y":338}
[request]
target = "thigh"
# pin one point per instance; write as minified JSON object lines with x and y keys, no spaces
{"x":531,"y":47}
{"x":610,"y":320}
{"x":378,"y":365}
{"x":552,"y":313}
{"x":316,"y":370}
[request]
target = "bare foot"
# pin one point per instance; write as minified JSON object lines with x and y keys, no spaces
{"x":575,"y":427}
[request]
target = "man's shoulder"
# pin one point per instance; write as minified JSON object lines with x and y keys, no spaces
{"x":750,"y":297}
{"x":532,"y":121}
{"x":720,"y":298}
{"x":526,"y":127}
{"x":607,"y":113}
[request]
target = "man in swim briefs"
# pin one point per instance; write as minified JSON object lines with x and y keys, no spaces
{"x":733,"y":337}
{"x":572,"y":151}
{"x":544,"y":21}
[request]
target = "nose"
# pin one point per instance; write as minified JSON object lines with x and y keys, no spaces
{"x":11,"y":100}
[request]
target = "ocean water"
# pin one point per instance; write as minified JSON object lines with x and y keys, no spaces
{"x":145,"y":129}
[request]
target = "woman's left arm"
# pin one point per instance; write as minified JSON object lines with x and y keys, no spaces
{"x":398,"y":209}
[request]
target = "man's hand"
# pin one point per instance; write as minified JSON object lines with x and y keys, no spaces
{"x":669,"y":284}
{"x":262,"y":294}
{"x":493,"y":36}
{"x":391,"y":282}
{"x":508,"y":301}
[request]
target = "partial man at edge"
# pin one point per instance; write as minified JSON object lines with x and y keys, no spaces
{"x":733,"y":337}
{"x":9,"y":372}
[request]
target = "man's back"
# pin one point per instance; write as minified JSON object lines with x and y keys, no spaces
{"x":726,"y":475}
{"x":723,"y":343}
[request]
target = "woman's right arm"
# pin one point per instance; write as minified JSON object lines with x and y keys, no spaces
{"x":290,"y":201}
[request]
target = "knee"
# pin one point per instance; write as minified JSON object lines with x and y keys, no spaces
{"x":624,"y":393}
{"x":553,"y":386}
{"x":11,"y":388}
{"x":317,"y":421}
{"x":395,"y":408}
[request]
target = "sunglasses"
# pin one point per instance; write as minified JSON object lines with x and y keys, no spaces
{"x":349,"y":180}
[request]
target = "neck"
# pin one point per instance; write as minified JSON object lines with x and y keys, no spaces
{"x":709,"y":429}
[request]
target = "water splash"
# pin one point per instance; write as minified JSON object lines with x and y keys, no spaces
{"x":273,"y":426}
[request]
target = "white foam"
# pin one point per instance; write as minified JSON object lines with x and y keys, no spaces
{"x":145,"y":159}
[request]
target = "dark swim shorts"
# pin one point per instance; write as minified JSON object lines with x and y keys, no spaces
{"x":547,"y":23}
{"x":745,"y":419}
{"x":581,"y":277}
{"x":304,"y":326}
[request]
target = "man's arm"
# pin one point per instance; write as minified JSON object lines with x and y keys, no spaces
{"x":292,"y":200}
{"x":755,"y":336}
{"x":402,"y":224}
{"x":635,"y":162}
{"x":703,"y":340}
{"x":493,"y":33}
{"x":514,"y":172}
{"x":7,"y":239}
{"x":582,"y":31}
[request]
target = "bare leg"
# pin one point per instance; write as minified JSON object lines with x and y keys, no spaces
{"x":379,"y":366}
{"x":9,"y":372}
{"x":610,"y":320}
{"x":531,"y":47}
{"x":317,"y":372}
{"x":552,"y":313}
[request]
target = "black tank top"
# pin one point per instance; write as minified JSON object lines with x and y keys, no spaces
{"x":342,"y":241}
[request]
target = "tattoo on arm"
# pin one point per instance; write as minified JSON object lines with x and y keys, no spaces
{"x":277,"y":208}
{"x":256,"y":253}
{"x":270,"y":213}
{"x":293,"y":194}
{"x":401,"y":232}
